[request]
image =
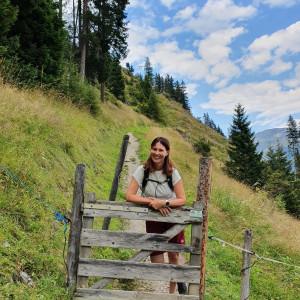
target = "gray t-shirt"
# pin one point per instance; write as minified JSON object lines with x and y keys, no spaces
{"x":154,"y":189}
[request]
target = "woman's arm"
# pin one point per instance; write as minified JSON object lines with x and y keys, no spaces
{"x":131,"y":195}
{"x":178,"y":201}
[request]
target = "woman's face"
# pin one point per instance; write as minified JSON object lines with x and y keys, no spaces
{"x":158,"y":153}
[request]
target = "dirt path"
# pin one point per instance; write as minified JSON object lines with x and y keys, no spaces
{"x":132,"y":161}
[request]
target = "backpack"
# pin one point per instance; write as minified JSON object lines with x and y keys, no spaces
{"x":146,"y":179}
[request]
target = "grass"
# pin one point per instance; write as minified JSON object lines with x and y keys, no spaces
{"x":42,"y":138}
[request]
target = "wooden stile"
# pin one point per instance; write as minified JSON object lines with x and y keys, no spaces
{"x":84,"y":266}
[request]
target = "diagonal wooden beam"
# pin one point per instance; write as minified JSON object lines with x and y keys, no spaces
{"x":141,"y":255}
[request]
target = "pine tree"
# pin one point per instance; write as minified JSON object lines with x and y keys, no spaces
{"x":42,"y":38}
{"x":278,"y":173}
{"x":115,"y":81}
{"x":8,"y":15}
{"x":107,"y":37}
{"x":244,"y":163}
{"x":292,"y":134}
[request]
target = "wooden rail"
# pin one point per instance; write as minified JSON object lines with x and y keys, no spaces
{"x":86,"y":208}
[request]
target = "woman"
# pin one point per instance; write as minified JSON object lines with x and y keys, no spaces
{"x":159,"y":195}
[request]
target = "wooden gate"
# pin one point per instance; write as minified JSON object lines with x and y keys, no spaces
{"x":83,"y":237}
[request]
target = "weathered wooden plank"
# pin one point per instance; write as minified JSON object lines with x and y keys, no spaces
{"x":132,"y":240}
{"x":195,"y":242}
{"x":90,"y":294}
{"x":85,"y":251}
{"x":138,"y":270}
{"x":139,"y":256}
{"x":203,"y":195}
{"x":176,"y":216}
{"x":118,"y":171}
{"x":119,"y":207}
{"x":131,"y":204}
{"x":75,"y":227}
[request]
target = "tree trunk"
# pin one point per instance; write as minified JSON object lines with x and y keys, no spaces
{"x":102,"y":92}
{"x":83,"y":35}
{"x":60,"y":10}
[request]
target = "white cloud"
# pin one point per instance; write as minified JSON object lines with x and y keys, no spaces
{"x":215,"y":53}
{"x":215,"y":15}
{"x":219,"y":14}
{"x":271,"y":48}
{"x":267,"y":98}
{"x":294,"y":82}
{"x":214,"y":48}
{"x":167,"y":3}
{"x":185,"y":13}
{"x":166,"y":18}
{"x":279,"y":67}
{"x":139,"y":3}
{"x":139,"y":35}
{"x":191,"y":89}
{"x":172,"y":30}
{"x":175,"y":61}
{"x":279,"y":3}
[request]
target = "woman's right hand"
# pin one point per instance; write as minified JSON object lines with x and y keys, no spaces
{"x":165,"y":211}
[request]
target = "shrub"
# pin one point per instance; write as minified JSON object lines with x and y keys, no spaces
{"x":202,"y":146}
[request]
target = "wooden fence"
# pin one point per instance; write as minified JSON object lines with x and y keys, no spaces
{"x":83,"y":236}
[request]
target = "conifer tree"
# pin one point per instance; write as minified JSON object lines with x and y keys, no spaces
{"x":8,"y":15}
{"x":107,"y":36}
{"x":244,"y":162}
{"x":42,"y":38}
{"x":278,"y":173}
{"x":292,"y":134}
{"x":116,"y":82}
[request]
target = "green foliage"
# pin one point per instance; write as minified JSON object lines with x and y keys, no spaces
{"x":8,"y":15}
{"x":244,"y":162}
{"x":42,"y":38}
{"x":81,"y":92}
{"x":202,"y":146}
{"x":293,"y":138}
{"x":280,"y":182}
{"x":115,"y":81}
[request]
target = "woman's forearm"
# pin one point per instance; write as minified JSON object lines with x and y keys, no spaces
{"x":137,"y":199}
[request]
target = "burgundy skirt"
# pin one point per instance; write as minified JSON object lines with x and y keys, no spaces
{"x":161,"y":227}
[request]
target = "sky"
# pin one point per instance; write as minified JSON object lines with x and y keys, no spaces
{"x":226,"y":51}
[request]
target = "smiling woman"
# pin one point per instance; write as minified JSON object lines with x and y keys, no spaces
{"x":153,"y":178}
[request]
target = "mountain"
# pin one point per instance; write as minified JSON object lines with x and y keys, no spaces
{"x":271,"y":137}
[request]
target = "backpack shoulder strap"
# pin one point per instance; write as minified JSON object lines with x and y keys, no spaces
{"x":145,"y":179}
{"x":170,"y":182}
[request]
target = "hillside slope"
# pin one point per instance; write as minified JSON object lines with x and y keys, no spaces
{"x":44,"y":137}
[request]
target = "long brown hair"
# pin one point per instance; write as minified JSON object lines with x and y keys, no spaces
{"x":168,"y":164}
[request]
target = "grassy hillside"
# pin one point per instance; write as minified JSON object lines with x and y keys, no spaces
{"x":44,"y":137}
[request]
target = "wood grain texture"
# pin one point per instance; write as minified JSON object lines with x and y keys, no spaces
{"x":138,"y":270}
{"x":90,"y":294}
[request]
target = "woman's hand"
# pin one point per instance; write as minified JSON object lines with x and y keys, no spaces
{"x":165,"y":211}
{"x":158,"y":204}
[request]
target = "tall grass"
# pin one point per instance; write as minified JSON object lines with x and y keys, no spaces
{"x":42,"y":138}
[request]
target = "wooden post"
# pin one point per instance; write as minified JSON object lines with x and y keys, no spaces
{"x":197,"y":243}
{"x":203,"y":195}
{"x":245,"y":285}
{"x":115,"y":184}
{"x":75,"y":228}
{"x":85,"y":251}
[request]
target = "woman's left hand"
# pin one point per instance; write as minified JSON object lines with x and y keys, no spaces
{"x":158,"y":204}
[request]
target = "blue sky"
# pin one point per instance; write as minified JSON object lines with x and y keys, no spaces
{"x":226,"y":51}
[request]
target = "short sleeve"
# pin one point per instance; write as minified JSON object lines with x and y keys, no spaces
{"x":175,"y":177}
{"x":138,"y":175}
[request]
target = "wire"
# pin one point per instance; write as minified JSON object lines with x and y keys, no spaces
{"x":58,"y":216}
{"x":253,"y":253}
